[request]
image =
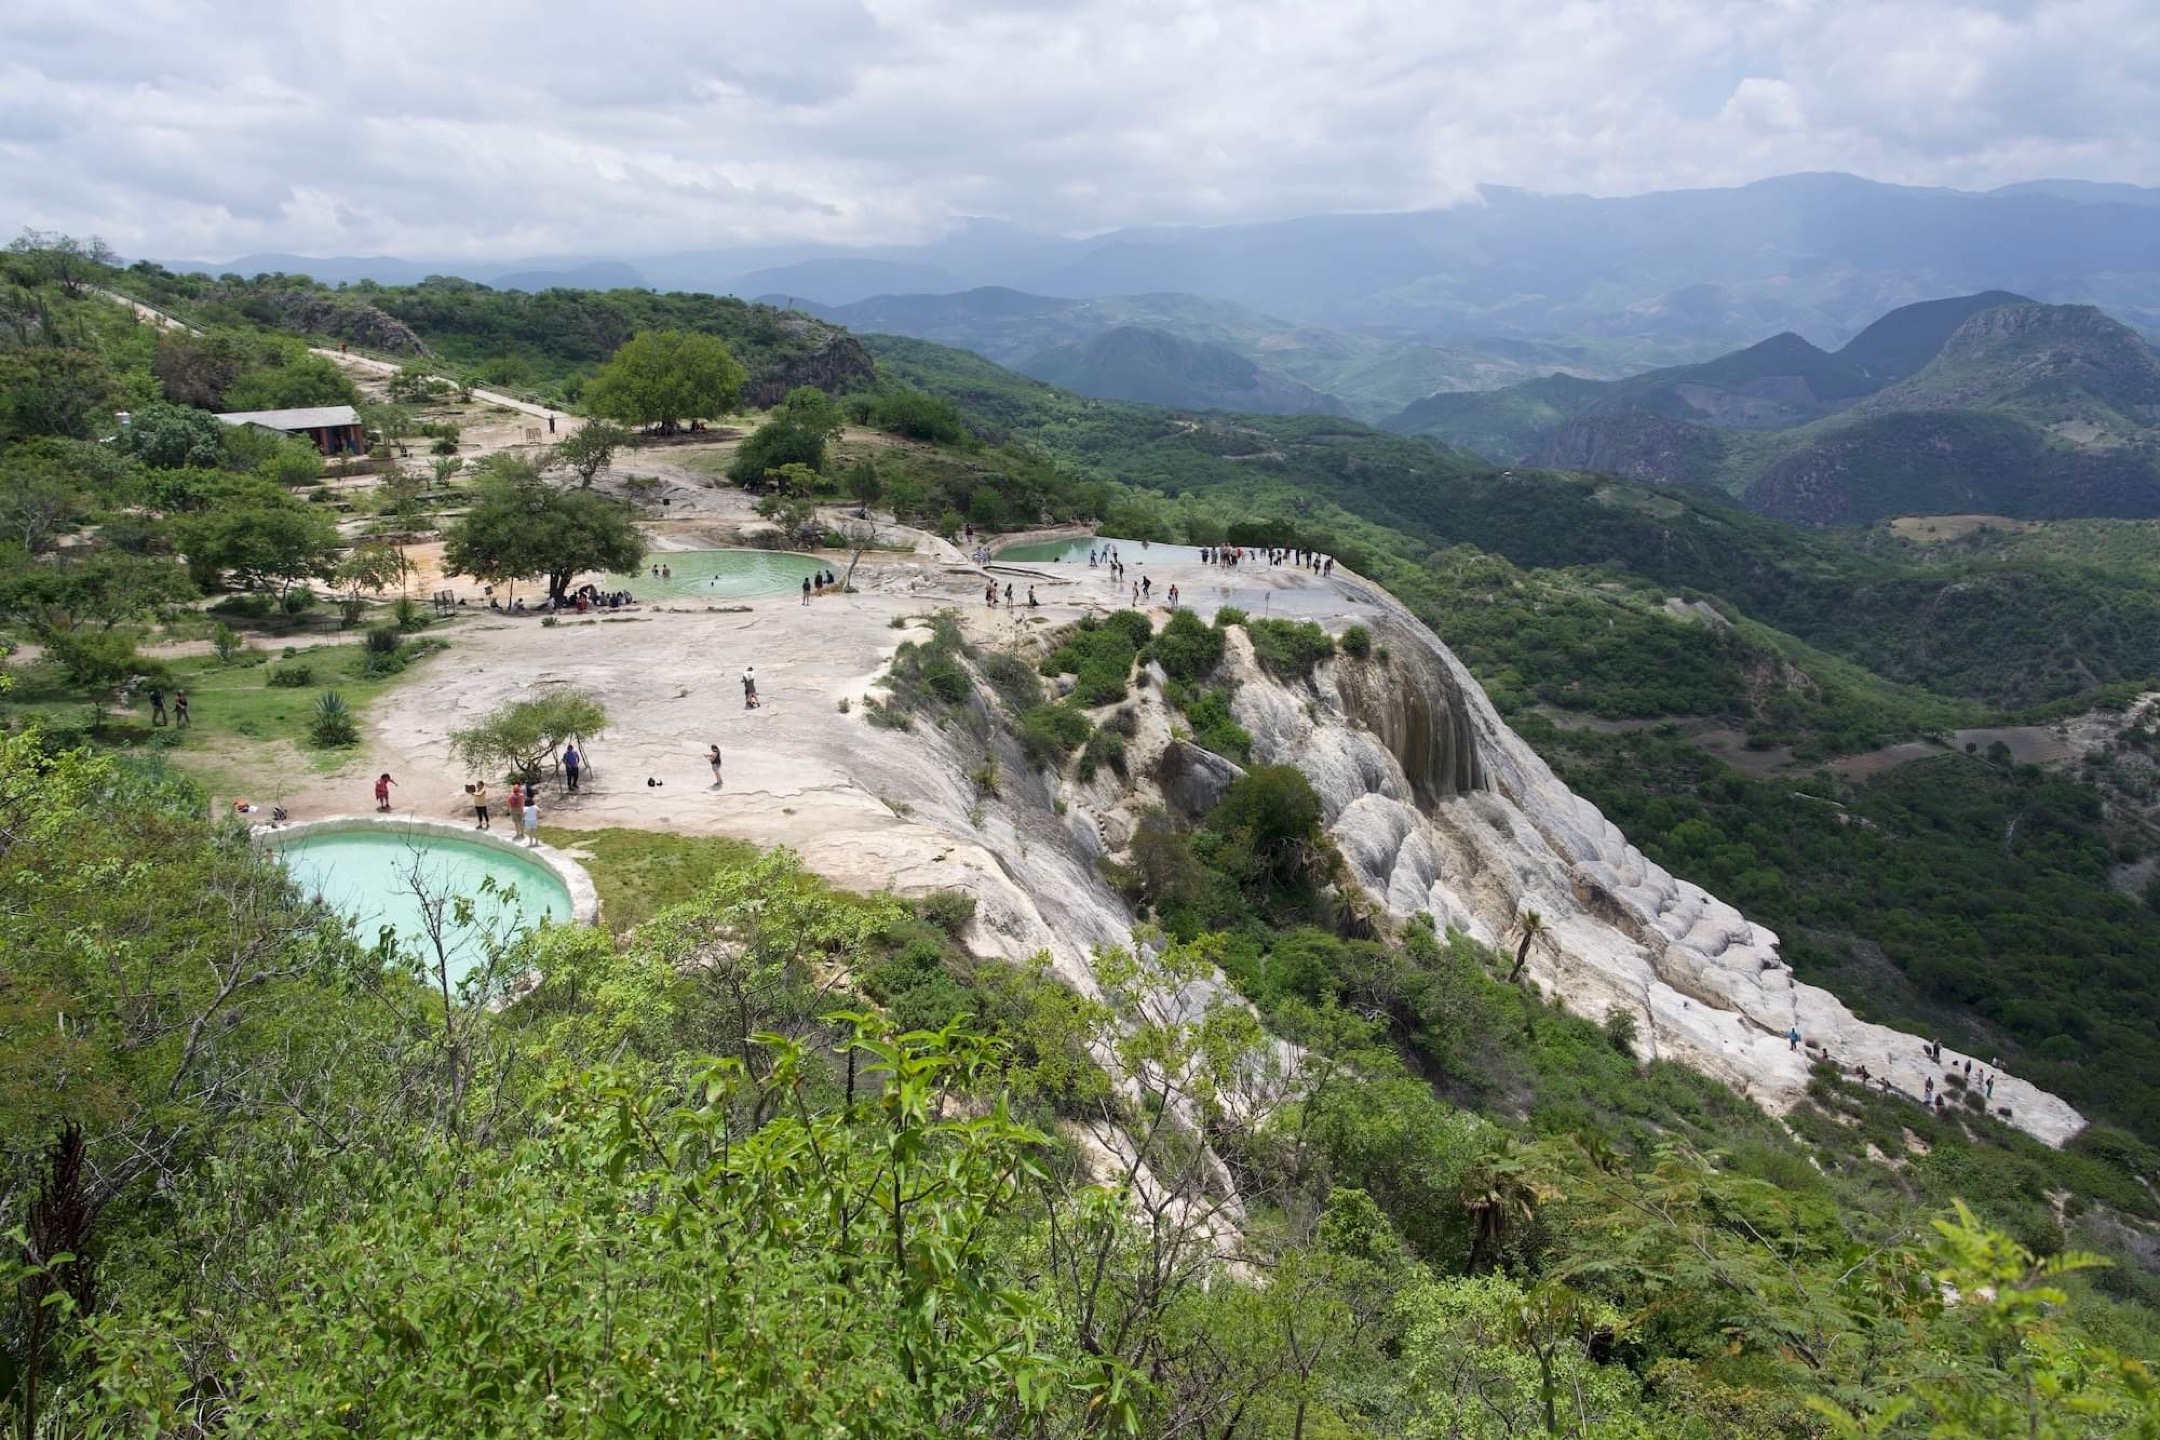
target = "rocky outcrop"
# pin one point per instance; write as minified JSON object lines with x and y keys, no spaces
{"x":1193,"y":781}
{"x":1635,"y":446}
{"x":833,"y":361}
{"x":314,"y":313}
{"x":1705,"y":984}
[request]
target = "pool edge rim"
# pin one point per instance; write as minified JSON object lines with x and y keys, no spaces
{"x":584,"y":894}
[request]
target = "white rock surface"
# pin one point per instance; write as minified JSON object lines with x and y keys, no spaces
{"x":1438,"y":805}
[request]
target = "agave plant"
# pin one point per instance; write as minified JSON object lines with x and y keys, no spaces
{"x":333,"y":722}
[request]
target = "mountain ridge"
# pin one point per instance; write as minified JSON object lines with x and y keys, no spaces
{"x":1817,"y":253}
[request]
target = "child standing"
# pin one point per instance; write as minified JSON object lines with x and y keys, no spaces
{"x":383,"y":782}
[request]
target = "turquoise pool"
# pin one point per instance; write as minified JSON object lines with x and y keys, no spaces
{"x":367,"y":872}
{"x":1075,"y":552}
{"x":720,"y":574}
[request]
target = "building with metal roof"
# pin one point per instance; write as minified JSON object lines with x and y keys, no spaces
{"x":334,"y":429}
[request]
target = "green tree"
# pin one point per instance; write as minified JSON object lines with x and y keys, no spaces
{"x":38,"y":501}
{"x":1530,"y":931}
{"x":523,"y":735}
{"x":518,"y":526}
{"x":664,"y":377}
{"x":72,"y":266}
{"x":298,"y":381}
{"x":590,"y":451}
{"x":55,"y":390}
{"x":1271,"y":813}
{"x":102,"y":662}
{"x":172,"y":437}
{"x":195,"y":369}
{"x":263,"y":537}
{"x":795,"y":433}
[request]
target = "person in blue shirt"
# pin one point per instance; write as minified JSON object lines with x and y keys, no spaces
{"x":572,"y":763}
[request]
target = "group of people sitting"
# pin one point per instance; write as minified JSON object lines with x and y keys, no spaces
{"x":583,"y":599}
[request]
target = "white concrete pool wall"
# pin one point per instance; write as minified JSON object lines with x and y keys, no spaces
{"x":584,"y":895}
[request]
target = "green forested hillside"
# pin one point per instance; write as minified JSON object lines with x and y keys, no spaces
{"x":1132,"y":362}
{"x":1986,"y":403}
{"x":544,"y":344}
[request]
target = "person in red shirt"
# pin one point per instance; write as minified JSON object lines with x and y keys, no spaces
{"x":383,"y":782}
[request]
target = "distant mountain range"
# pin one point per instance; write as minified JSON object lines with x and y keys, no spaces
{"x":1986,"y":403}
{"x":1197,"y":353}
{"x":1669,"y":276}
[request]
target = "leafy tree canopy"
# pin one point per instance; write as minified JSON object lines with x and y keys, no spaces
{"x":519,"y":526}
{"x":664,"y":377}
{"x":173,"y":437}
{"x":260,"y":534}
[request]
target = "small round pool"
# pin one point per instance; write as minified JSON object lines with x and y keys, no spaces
{"x":367,"y":872}
{"x":1075,"y":552}
{"x":717,"y":574}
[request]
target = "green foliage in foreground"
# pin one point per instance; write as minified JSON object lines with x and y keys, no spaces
{"x":698,"y":1180}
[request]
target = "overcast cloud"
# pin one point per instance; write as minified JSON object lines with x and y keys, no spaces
{"x":468,"y":128}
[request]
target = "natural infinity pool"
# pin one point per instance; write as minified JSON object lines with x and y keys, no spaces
{"x":366,"y":873}
{"x":1075,"y":552}
{"x":719,"y":574}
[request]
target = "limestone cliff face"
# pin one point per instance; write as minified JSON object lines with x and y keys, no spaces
{"x":1438,"y":806}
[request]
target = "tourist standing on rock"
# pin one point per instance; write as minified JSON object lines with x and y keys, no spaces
{"x":532,"y":815}
{"x":749,"y":687}
{"x":806,"y":590}
{"x":712,"y":758}
{"x":478,"y":791}
{"x":572,"y":763}
{"x":157,"y":706}
{"x":383,"y":782}
{"x":179,"y":709}
{"x":1792,"y":1038}
{"x":517,"y":807}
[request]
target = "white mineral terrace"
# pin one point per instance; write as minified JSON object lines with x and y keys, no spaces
{"x":1436,"y":803}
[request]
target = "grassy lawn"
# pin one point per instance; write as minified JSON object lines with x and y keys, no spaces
{"x":641,"y":872}
{"x":248,"y":736}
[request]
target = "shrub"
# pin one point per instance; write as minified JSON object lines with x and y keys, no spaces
{"x":1289,"y":649}
{"x":1227,"y":616}
{"x":297,"y":600}
{"x":409,"y":614}
{"x":225,"y":643}
{"x":1100,"y":655}
{"x":1049,"y":733}
{"x":1186,"y":649}
{"x":1213,"y":727}
{"x":252,"y":606}
{"x":930,"y":675}
{"x":333,"y":723}
{"x":1014,"y":680}
{"x":1619,"y":1025}
{"x":382,"y":640}
{"x":1104,"y":747}
{"x":292,"y":677}
{"x":1272,"y":814}
{"x":985,"y":776}
{"x":1356,"y":642}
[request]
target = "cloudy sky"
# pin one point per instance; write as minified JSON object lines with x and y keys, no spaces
{"x":468,"y":128}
